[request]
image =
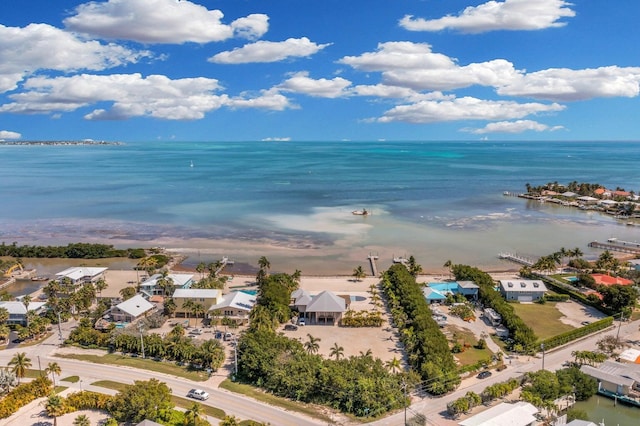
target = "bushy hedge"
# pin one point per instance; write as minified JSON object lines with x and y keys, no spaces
{"x":24,"y":394}
{"x":71,"y":251}
{"x":426,"y":347}
{"x":556,"y":297}
{"x":361,"y":319}
{"x":522,"y":334}
{"x":577,"y":333}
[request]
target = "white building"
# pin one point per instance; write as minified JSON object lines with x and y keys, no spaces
{"x":236,"y":306}
{"x":518,"y":414}
{"x":522,"y":290}
{"x":81,"y":274}
{"x":150,"y":286}
{"x":18,"y":311}
{"x":131,"y":309}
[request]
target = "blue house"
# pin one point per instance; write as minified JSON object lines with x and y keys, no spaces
{"x":437,"y":292}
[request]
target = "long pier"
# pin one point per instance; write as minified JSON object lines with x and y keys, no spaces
{"x":374,"y":267}
{"x":223,"y":263}
{"x":617,"y":246}
{"x":514,"y":257}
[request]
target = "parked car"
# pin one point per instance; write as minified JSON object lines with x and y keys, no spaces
{"x":291,"y":327}
{"x":585,"y":322}
{"x":484,"y":374}
{"x":198,"y":394}
{"x":228,"y":336}
{"x":302,"y":322}
{"x":501,"y":367}
{"x":197,"y":331}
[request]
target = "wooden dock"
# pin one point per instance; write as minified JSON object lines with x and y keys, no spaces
{"x":223,"y":263}
{"x":617,"y":246}
{"x":514,"y":257}
{"x":374,"y":267}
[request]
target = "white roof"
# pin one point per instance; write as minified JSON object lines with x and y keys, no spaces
{"x":179,"y":280}
{"x":630,"y":355}
{"x":518,"y":414}
{"x":522,"y":285}
{"x":135,"y":306}
{"x":18,"y":308}
{"x":587,"y":198}
{"x":236,"y":300}
{"x":327,"y":302}
{"x":196,"y":293}
{"x":77,"y":272}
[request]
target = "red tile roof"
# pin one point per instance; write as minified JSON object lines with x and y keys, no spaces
{"x":604,"y":279}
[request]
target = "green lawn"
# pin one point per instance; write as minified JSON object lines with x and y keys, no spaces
{"x":145,"y":364}
{"x":287,"y":404}
{"x":471,"y":355}
{"x":543,"y":319}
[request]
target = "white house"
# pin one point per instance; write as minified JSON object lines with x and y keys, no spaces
{"x":325,"y":307}
{"x":131,"y":309}
{"x":522,"y":290}
{"x":518,"y":414}
{"x":18,"y":311}
{"x":82,"y":274}
{"x":236,"y":306}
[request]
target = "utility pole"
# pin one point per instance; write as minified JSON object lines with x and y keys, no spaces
{"x":404,"y":387}
{"x":141,"y":329}
{"x":619,"y":325}
{"x":542,"y":347}
{"x":235,"y":354}
{"x":59,"y":327}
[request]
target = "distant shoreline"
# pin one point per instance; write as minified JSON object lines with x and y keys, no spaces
{"x":59,"y":143}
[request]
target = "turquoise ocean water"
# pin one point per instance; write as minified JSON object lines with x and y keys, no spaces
{"x":292,"y":201}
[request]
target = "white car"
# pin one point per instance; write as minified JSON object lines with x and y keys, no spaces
{"x":302,"y":322}
{"x":196,"y":331}
{"x":198,"y":394}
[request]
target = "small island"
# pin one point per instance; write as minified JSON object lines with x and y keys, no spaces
{"x":60,"y":143}
{"x":617,"y":202}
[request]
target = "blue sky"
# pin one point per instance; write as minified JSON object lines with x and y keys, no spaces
{"x":228,"y":70}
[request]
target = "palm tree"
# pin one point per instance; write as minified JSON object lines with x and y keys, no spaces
{"x":394,"y":365}
{"x":414,"y":268}
{"x":264,"y":263}
{"x":26,"y":300}
{"x":82,"y":420}
{"x":336,"y":351}
{"x":358,"y":273}
{"x":100,"y":285}
{"x":4,"y":315}
{"x":230,"y":421}
{"x":20,"y":364}
{"x":194,"y":412}
{"x":312,"y":346}
{"x":201,"y":268}
{"x":54,"y":405}
{"x":449,"y":264}
{"x":367,"y":354}
{"x":165,"y":282}
{"x":196,"y":310}
{"x":54,"y":369}
{"x":187,"y":306}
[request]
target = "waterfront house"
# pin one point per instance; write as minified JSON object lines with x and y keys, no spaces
{"x":81,"y":274}
{"x":18,"y":311}
{"x":634,"y":264}
{"x":585,"y":199}
{"x":608,"y":280}
{"x":616,"y":380}
{"x":131,"y":309}
{"x":206,"y":298}
{"x":324,"y":307}
{"x":236,"y":306}
{"x":522,"y":290}
{"x":505,"y":414}
{"x":569,"y":194}
{"x":438,"y":291}
{"x":150,"y":286}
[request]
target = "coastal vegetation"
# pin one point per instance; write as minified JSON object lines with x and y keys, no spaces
{"x":359,"y":385}
{"x":426,"y":347}
{"x":23,"y":394}
{"x":70,"y":251}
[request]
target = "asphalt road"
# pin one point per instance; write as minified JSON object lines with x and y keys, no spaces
{"x":246,"y":408}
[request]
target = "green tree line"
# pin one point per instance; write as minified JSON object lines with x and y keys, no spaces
{"x":71,"y":251}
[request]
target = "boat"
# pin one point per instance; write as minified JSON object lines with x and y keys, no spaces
{"x":191,"y":165}
{"x":39,"y":278}
{"x":362,"y":212}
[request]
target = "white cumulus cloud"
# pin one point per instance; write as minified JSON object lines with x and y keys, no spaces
{"x":161,"y":21}
{"x":269,"y":51}
{"x":323,"y":88}
{"x":561,"y":84}
{"x":131,"y":95}
{"x":7,"y":134}
{"x":496,"y":15}
{"x":466,"y":108}
{"x":24,"y":51}
{"x":517,"y":126}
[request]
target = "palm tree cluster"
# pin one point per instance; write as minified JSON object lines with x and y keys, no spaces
{"x":174,"y":346}
{"x":550,"y":262}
